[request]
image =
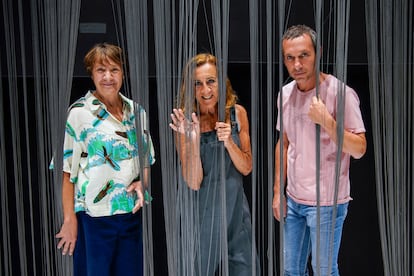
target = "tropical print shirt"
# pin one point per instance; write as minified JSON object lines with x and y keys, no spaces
{"x":103,"y":155}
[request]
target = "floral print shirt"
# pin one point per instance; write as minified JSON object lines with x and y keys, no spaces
{"x":103,"y":155}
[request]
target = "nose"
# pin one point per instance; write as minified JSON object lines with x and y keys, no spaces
{"x":297,"y":64}
{"x":205,"y":87}
{"x":107,"y":74}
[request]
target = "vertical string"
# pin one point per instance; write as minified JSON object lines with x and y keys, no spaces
{"x":272,"y":47}
{"x":318,"y":29}
{"x":220,"y":17}
{"x":390,"y":62}
{"x":341,"y":72}
{"x":166,"y":82}
{"x":136,"y":29}
{"x":57,"y":36}
{"x":175,"y":42}
{"x":188,"y":212}
{"x":15,"y":134}
{"x":28,"y":157}
{"x":281,"y":14}
{"x":254,"y":86}
{"x":119,"y":15}
{"x":34,"y":195}
{"x":5,"y":264}
{"x":39,"y":71}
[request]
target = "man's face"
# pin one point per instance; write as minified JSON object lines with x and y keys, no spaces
{"x":299,"y":58}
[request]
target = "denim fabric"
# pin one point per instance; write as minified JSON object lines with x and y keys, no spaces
{"x":300,"y":238}
{"x":208,"y":260}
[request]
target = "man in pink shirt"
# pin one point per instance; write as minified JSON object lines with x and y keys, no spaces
{"x":302,"y":110}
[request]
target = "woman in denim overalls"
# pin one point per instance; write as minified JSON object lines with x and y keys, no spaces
{"x":213,"y":154}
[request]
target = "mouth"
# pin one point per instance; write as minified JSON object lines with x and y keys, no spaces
{"x":207,"y":97}
{"x":107,"y":85}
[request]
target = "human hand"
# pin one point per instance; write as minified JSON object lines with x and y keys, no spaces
{"x":276,"y":206}
{"x":182,"y":125}
{"x":223,"y":132}
{"x":318,"y":112}
{"x":68,"y":235}
{"x":136,"y":187}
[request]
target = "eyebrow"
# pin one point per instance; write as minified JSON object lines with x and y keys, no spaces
{"x":209,"y":77}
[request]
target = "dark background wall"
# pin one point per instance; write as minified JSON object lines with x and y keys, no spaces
{"x":360,"y":252}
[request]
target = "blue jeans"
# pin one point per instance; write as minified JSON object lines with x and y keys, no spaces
{"x":300,"y":238}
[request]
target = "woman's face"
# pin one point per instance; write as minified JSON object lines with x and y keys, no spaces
{"x":107,"y":77}
{"x":205,"y":85}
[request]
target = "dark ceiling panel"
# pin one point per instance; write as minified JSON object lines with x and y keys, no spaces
{"x":98,"y":22}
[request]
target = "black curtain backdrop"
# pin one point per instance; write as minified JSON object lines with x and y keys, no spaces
{"x":360,"y":252}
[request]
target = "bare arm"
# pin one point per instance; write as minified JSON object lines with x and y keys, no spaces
{"x":353,"y":143}
{"x":240,"y":156}
{"x":146,"y":172}
{"x":188,"y":147}
{"x":69,"y":229}
{"x":276,"y":187}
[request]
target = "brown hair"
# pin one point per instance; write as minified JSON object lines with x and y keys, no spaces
{"x":197,"y":61}
{"x":101,"y":53}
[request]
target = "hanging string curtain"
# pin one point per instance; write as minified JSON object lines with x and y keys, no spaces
{"x":262,"y":117}
{"x":220,"y":20}
{"x":390,"y":47}
{"x":136,"y":46}
{"x":46,"y":38}
{"x":12,"y":167}
{"x":38,"y":58}
{"x":52,"y":33}
{"x":57,"y":41}
{"x":175,"y":37}
{"x":167,"y":82}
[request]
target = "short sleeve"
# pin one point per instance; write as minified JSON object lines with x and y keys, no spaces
{"x":72,"y":147}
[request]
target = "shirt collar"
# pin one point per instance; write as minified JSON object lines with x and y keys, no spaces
{"x":94,"y":104}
